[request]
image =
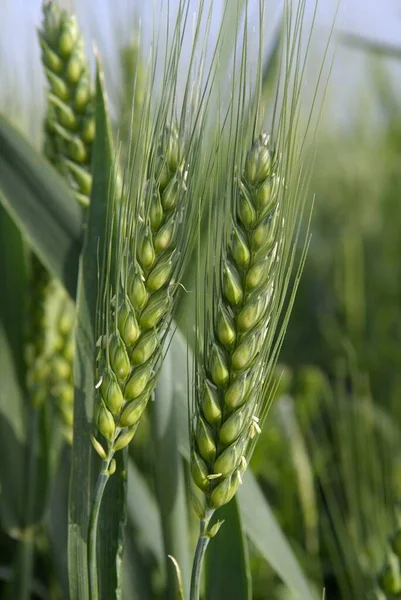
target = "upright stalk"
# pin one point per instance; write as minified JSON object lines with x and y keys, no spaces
{"x":92,"y":528}
{"x":25,"y":558}
{"x":200,"y":552}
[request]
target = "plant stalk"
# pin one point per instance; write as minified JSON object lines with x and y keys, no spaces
{"x":200,"y":552}
{"x":101,"y":483}
{"x":26,"y":545}
{"x":24,"y":571}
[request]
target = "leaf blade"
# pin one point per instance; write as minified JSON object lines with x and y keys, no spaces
{"x":42,"y":206}
{"x":169,"y":481}
{"x":143,"y":513}
{"x":85,"y":462}
{"x":265,"y":532}
{"x":227,"y":561}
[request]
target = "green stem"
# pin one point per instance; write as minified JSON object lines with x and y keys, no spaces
{"x":26,"y":545}
{"x":92,"y":529}
{"x":200,"y":552}
{"x":24,"y":570}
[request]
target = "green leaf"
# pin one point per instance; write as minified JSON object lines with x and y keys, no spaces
{"x":12,"y":439}
{"x":85,"y":462}
{"x":265,"y":532}
{"x":13,"y":282}
{"x":137,"y":583}
{"x":169,"y":480}
{"x":144,"y":539}
{"x":271,"y":63}
{"x":227,"y":561}
{"x":12,"y":397}
{"x":258,"y":520}
{"x":143,"y":514}
{"x":41,"y":204}
{"x":24,"y":429}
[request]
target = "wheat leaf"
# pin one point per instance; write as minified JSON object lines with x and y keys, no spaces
{"x":227,"y":570}
{"x":40,"y":203}
{"x":85,"y":464}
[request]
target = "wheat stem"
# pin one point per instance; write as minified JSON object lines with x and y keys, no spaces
{"x":24,"y":570}
{"x":26,"y":545}
{"x":197,"y":566}
{"x":101,"y":483}
{"x":200,"y":552}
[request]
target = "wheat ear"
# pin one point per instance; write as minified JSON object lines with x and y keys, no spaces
{"x":61,"y":360}
{"x":36,"y":340}
{"x":233,"y":371}
{"x":69,"y":132}
{"x":129,"y":359}
{"x":242,"y":328}
{"x":235,"y":361}
{"x":70,"y":124}
{"x":130,"y":356}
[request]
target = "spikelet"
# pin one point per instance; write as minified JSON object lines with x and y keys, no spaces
{"x":129,"y":359}
{"x":70,"y":123}
{"x":36,"y":334}
{"x":61,"y":359}
{"x":69,"y":129}
{"x":49,"y":344}
{"x":233,"y":368}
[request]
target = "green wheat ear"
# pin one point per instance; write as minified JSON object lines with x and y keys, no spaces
{"x":49,"y":344}
{"x":233,"y":369}
{"x":61,"y":361}
{"x":36,"y":341}
{"x":70,"y":124}
{"x":69,"y":132}
{"x":248,"y":280}
{"x":129,"y":360}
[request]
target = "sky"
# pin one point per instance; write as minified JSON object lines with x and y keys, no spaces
{"x":376,"y":19}
{"x":380,"y":18}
